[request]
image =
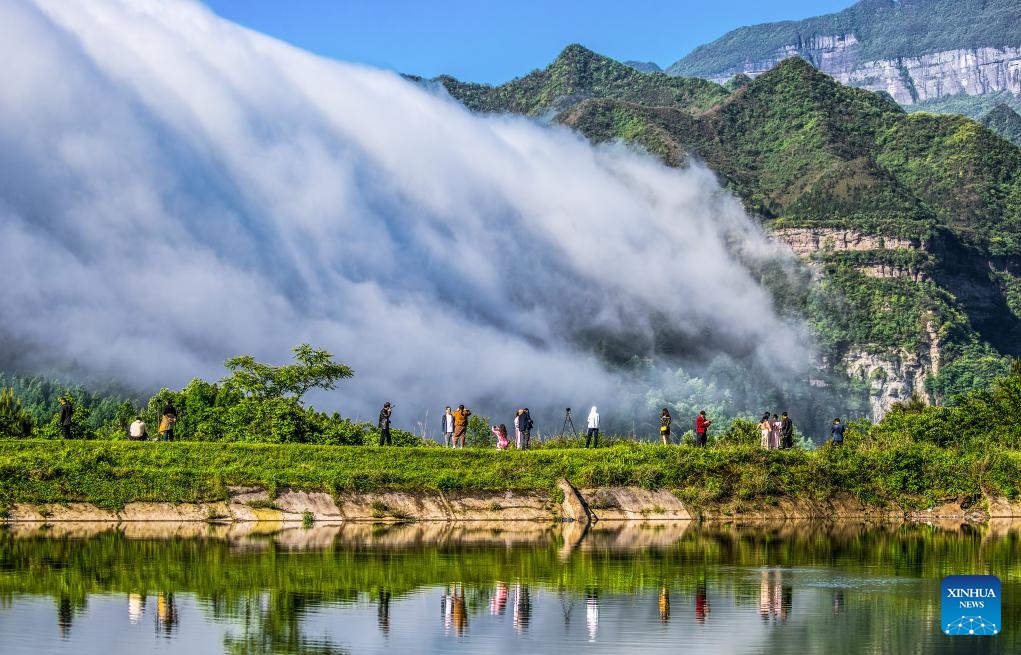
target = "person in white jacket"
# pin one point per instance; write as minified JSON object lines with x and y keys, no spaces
{"x":593,"y":428}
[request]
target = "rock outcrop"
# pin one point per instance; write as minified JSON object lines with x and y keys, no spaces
{"x":806,"y":241}
{"x":971,"y":71}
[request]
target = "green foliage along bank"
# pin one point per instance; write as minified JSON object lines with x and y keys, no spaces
{"x":111,"y":474}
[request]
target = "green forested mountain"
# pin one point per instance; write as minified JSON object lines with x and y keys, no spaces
{"x":579,"y":74}
{"x":1004,"y":121}
{"x":912,"y":220}
{"x":885,"y":29}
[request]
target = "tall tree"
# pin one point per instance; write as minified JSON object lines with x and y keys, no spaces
{"x":312,"y":369}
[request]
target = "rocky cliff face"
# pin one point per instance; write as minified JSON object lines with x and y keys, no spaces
{"x":971,"y":71}
{"x":891,"y":376}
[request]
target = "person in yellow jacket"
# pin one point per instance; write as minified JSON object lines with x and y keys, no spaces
{"x":460,"y":424}
{"x":167,"y":422}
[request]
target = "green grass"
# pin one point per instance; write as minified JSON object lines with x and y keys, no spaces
{"x":111,"y":474}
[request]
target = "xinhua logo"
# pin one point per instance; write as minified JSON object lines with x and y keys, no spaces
{"x":970,"y":605}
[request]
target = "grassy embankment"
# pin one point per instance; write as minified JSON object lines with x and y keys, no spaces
{"x":111,"y":474}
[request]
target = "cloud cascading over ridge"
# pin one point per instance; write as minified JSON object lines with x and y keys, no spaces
{"x":175,"y":189}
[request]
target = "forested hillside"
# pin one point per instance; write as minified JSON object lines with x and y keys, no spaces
{"x":912,"y":222}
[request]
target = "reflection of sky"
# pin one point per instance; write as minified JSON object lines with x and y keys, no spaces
{"x":558,"y":622}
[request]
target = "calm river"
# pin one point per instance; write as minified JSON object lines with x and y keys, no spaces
{"x":514,"y":588}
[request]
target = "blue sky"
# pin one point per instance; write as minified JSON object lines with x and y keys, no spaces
{"x":493,"y":42}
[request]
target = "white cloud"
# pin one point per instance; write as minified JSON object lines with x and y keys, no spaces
{"x":175,"y":189}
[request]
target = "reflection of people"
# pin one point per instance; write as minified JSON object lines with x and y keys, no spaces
{"x":458,"y":613}
{"x":664,"y":604}
{"x":498,"y":603}
{"x":447,"y":609}
{"x":838,"y":602}
{"x":765,"y":597}
{"x":65,"y":615}
{"x":522,"y":607}
{"x":383,"y":611}
{"x":136,"y":608}
{"x":701,"y":602}
{"x":775,"y":598}
{"x":592,"y":613}
{"x":166,"y":613}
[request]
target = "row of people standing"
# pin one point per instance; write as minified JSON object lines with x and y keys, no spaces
{"x":523,"y":426}
{"x":702,"y":424}
{"x":776,"y":431}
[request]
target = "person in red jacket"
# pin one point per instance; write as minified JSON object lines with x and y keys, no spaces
{"x":701,"y":428}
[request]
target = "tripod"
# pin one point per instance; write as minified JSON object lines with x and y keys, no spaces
{"x":568,"y":421}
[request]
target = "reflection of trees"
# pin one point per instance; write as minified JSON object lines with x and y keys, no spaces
{"x":230,"y":583}
{"x":271,"y":623}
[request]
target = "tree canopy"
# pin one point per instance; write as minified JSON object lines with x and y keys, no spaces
{"x":313,"y":368}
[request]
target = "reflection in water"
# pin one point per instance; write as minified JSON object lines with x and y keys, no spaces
{"x":522,"y":607}
{"x":136,"y":608}
{"x":498,"y":604}
{"x":838,"y":602}
{"x":383,"y":611}
{"x":592,"y":613}
{"x":64,"y":616}
{"x":166,"y":613}
{"x":860,"y":588}
{"x":460,"y":616}
{"x":702,"y":608}
{"x":775,"y":598}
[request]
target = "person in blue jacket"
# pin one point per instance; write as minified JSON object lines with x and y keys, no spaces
{"x":837,"y":432}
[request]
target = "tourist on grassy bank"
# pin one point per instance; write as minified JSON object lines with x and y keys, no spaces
{"x":460,"y":425}
{"x":786,"y":431}
{"x":664,"y":426}
{"x":593,"y":428}
{"x":501,"y":436}
{"x":66,"y":410}
{"x":701,"y":429}
{"x":384,"y":425}
{"x":167,"y":421}
{"x":764,"y":429}
{"x":137,"y":430}
{"x":837,"y":432}
{"x":448,"y":427}
{"x":525,"y":425}
{"x":774,"y":433}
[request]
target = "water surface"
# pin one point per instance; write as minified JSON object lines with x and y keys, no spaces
{"x":509,"y":588}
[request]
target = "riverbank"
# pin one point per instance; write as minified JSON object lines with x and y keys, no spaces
{"x":42,"y":480}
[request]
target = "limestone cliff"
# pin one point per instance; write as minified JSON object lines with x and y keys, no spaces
{"x":890,"y":376}
{"x":915,"y":50}
{"x":972,"y":71}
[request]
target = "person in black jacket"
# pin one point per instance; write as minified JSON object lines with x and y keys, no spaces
{"x":66,"y":411}
{"x":525,"y":426}
{"x":384,"y":425}
{"x":786,"y":431}
{"x":837,"y":433}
